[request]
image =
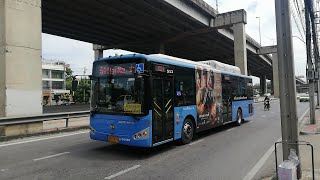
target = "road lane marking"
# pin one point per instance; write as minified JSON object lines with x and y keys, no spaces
{"x":260,"y":163}
{"x":231,"y":129}
{"x":3,"y":170}
{"x":196,"y":142}
{"x":263,"y":116}
{"x":250,"y":121}
{"x":45,"y":138}
{"x":265,"y":157}
{"x":122,"y":172}
{"x":47,"y":157}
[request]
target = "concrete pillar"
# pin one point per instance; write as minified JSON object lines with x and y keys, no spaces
{"x":98,"y":54}
{"x":263,"y":85}
{"x":240,"y":47}
{"x":98,"y":51}
{"x":275,"y":70}
{"x":20,"y":58}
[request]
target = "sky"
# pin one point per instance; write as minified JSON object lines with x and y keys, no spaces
{"x":80,"y":54}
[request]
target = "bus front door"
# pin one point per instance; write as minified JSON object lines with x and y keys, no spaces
{"x":162,"y":109}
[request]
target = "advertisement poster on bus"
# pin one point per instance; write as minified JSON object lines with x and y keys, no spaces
{"x":205,"y":97}
{"x":218,"y":98}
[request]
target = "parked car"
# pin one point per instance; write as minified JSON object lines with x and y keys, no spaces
{"x":304,"y":98}
{"x":256,"y":96}
{"x":267,"y":94}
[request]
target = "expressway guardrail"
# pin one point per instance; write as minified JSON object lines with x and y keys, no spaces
{"x":43,"y":117}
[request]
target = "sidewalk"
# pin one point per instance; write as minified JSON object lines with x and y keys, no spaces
{"x":310,"y":133}
{"x":308,"y":128}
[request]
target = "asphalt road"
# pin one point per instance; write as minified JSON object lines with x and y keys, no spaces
{"x":223,"y":153}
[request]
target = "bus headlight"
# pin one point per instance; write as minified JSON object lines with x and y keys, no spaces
{"x":92,"y":131}
{"x":143,"y":134}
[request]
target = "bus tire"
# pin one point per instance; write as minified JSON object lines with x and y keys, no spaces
{"x":187,"y":131}
{"x":239,"y":118}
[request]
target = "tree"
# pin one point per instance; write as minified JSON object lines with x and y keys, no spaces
{"x":69,"y":78}
{"x":82,"y":94}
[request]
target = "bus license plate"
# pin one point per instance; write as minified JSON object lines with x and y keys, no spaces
{"x":113,"y":139}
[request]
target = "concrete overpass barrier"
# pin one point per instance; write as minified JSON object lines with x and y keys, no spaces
{"x":19,"y":126}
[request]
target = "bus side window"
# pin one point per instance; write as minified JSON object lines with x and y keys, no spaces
{"x":235,"y":86}
{"x":242,"y":87}
{"x":249,"y":88}
{"x":184,"y":86}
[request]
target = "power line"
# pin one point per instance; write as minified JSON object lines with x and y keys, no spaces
{"x":295,"y":20}
{"x":297,"y":7}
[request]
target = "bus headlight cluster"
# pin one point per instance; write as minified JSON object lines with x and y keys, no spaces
{"x":143,"y":134}
{"x":92,"y":131}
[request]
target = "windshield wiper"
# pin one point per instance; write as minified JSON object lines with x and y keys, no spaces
{"x":94,"y":110}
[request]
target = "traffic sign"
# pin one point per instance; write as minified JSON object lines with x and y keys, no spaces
{"x":139,"y":68}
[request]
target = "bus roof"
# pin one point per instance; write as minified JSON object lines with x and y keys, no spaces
{"x":161,"y":58}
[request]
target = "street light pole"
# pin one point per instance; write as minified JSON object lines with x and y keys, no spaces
{"x":217,"y":6}
{"x":289,"y":120}
{"x":259,"y":29}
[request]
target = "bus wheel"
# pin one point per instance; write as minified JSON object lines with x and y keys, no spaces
{"x":187,"y":131}
{"x":239,"y":117}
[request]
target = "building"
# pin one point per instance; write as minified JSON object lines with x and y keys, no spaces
{"x":53,"y":81}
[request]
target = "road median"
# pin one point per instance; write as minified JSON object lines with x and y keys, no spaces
{"x":17,"y":129}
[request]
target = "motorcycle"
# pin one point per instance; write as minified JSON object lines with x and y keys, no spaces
{"x":266,"y":105}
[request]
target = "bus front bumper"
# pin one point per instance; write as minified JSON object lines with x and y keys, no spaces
{"x":120,"y":139}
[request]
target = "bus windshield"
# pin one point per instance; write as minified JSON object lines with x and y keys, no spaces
{"x":115,"y":92}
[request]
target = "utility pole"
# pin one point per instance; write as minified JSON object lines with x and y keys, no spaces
{"x":313,"y":18}
{"x":310,"y":67}
{"x":288,"y":106}
{"x":84,"y":90}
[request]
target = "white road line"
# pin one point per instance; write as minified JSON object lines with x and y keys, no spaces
{"x":260,"y":163}
{"x":263,"y":116}
{"x":3,"y":170}
{"x":40,"y":139}
{"x":47,"y":157}
{"x":264,"y":158}
{"x":250,"y":121}
{"x":231,"y":129}
{"x":122,"y":172}
{"x":196,"y":142}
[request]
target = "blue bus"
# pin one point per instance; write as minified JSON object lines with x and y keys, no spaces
{"x":148,"y":100}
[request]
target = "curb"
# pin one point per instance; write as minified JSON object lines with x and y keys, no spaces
{"x":308,"y":133}
{"x":302,"y":123}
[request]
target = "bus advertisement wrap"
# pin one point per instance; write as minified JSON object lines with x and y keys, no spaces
{"x":208,"y":97}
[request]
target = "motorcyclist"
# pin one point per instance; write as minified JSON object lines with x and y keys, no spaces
{"x":267,"y":102}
